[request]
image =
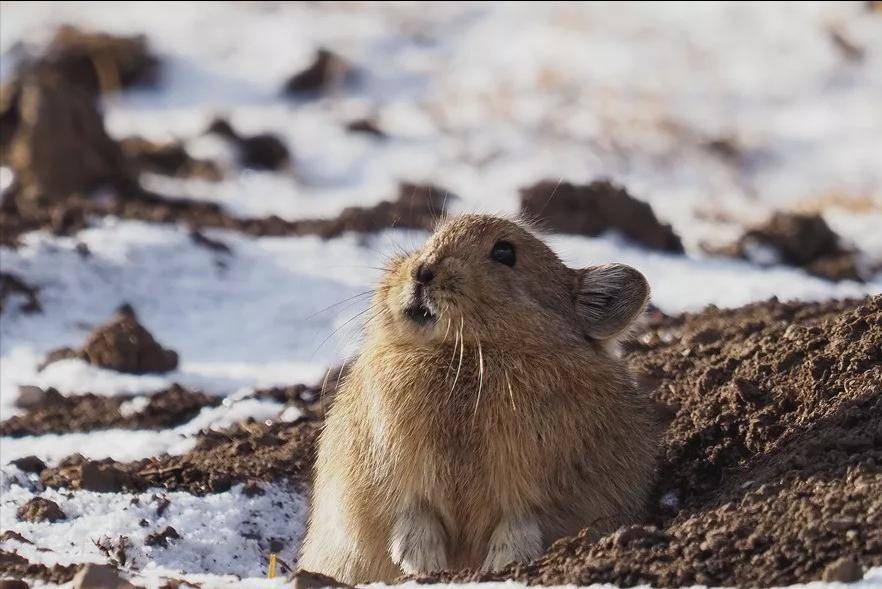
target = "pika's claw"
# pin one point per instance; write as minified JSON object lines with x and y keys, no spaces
{"x":517,"y":539}
{"x":418,"y":543}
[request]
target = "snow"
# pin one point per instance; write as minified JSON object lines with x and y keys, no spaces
{"x":479,"y":98}
{"x":222,"y":534}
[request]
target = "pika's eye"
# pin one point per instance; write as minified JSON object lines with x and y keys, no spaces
{"x":503,"y":252}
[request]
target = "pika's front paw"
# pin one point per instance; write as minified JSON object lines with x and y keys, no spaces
{"x":514,"y":540}
{"x":419,"y":542}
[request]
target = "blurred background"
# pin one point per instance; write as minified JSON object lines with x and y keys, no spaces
{"x":230,"y":169}
{"x":205,"y":193}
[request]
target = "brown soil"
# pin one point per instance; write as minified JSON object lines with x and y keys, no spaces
{"x":88,"y":412}
{"x":18,"y":567}
{"x":771,"y":466}
{"x":801,"y":240}
{"x":250,"y":452}
{"x":418,"y":206}
{"x":13,"y":286}
{"x":770,"y":469}
{"x":327,"y":72}
{"x":39,"y":509}
{"x":264,"y":151}
{"x":123,"y":345}
{"x":168,"y":159}
{"x":595,"y":208}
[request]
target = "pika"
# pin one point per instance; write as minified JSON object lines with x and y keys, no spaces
{"x":487,"y":414}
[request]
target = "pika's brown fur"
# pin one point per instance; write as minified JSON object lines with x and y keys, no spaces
{"x":487,"y":415}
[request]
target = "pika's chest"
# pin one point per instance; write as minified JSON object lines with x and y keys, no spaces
{"x":457,"y":433}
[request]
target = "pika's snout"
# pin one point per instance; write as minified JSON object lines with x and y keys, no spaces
{"x":423,"y":273}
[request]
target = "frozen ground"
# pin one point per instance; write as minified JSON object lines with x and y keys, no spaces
{"x":481,"y":99}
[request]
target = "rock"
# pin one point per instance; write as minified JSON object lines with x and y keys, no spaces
{"x":125,"y":345}
{"x":12,"y":285}
{"x":803,"y":241}
{"x":60,"y":146}
{"x":328,"y":71}
{"x":263,"y":151}
{"x":162,"y":538}
{"x":104,"y":478}
{"x":11,"y":535}
{"x":100,"y":576}
{"x":29,"y":464}
{"x":843,"y":570}
{"x":309,"y":580}
{"x":592,"y":209}
{"x":31,"y":397}
{"x":13,"y":584}
{"x":367,"y":126}
{"x":40,"y":509}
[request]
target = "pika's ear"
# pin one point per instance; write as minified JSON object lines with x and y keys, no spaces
{"x":609,"y":298}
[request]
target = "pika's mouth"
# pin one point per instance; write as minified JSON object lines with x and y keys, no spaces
{"x":419,"y":313}
{"x":419,"y":309}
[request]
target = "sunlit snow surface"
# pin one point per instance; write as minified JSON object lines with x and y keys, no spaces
{"x":482,"y":99}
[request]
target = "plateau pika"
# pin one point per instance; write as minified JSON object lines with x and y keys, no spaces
{"x":488,"y":413}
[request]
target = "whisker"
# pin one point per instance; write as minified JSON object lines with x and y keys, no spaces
{"x":346,"y":300}
{"x":461,"y":350}
{"x":553,"y":192}
{"x":510,"y":392}
{"x":480,"y":379}
{"x":345,"y":323}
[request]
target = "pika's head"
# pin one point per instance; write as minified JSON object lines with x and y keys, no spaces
{"x":492,"y":279}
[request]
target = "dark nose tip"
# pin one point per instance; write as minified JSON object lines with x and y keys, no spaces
{"x":423,"y":274}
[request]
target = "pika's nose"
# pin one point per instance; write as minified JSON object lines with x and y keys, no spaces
{"x":423,"y":274}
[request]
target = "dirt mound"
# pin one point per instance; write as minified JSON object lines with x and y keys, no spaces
{"x":801,"y":240}
{"x":264,"y":151}
{"x":169,"y":159}
{"x":418,"y":206}
{"x":123,"y":345}
{"x":13,"y":286}
{"x":91,"y":62}
{"x":595,"y":208}
{"x":248,"y":453}
{"x":101,"y":62}
{"x":39,"y":509}
{"x":59,"y":145}
{"x":18,"y":567}
{"x":327,"y":72}
{"x":88,"y":412}
{"x":771,"y":468}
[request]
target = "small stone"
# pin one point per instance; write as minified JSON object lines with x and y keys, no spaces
{"x":310,"y":580}
{"x":162,"y":538}
{"x":648,"y":535}
{"x":844,"y":570}
{"x":29,"y":464}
